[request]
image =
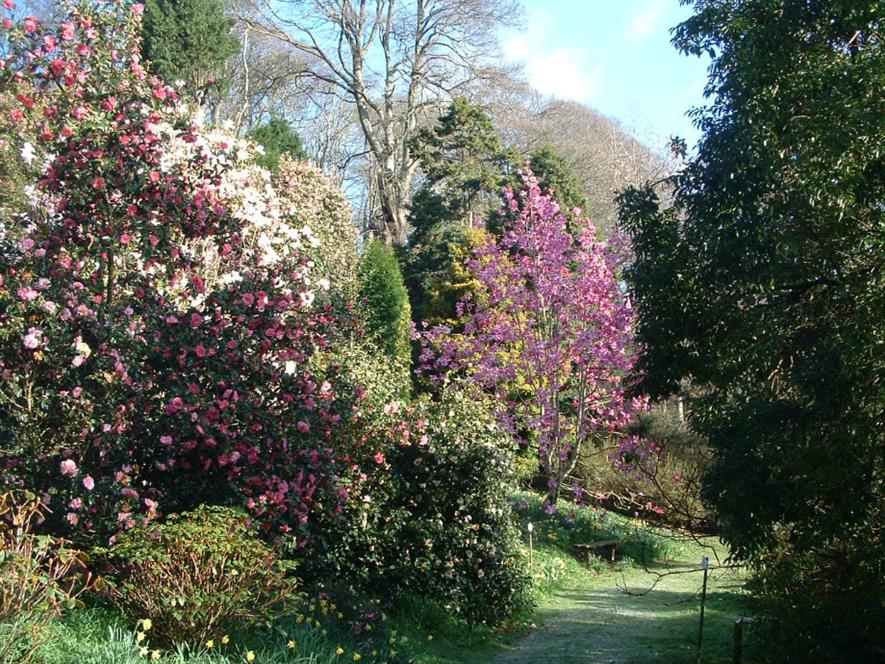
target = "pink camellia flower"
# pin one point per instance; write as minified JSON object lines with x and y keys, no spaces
{"x":33,"y":339}
{"x":166,"y":440}
{"x":27,"y":294}
{"x":137,"y":9}
{"x":99,"y":183}
{"x":72,"y":518}
{"x":30,"y":24}
{"x":89,"y":483}
{"x":196,"y":319}
{"x":67,"y":31}
{"x":68,"y":468}
{"x":9,"y":4}
{"x":76,"y":504}
{"x":79,"y":113}
{"x":303,"y":427}
{"x":26,"y":244}
{"x":49,"y":43}
{"x":379,"y":458}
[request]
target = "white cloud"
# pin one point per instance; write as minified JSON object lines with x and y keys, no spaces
{"x":566,"y":72}
{"x":647,"y":20}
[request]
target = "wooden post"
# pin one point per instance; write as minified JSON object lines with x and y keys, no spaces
{"x":531,"y":529}
{"x":738,"y":653}
{"x":705,"y":564}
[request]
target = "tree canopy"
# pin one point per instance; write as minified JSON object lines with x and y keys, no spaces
{"x":762,"y":285}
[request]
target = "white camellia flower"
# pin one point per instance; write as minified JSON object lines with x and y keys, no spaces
{"x":291,"y":367}
{"x":28,"y":153}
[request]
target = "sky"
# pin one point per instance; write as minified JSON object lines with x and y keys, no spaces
{"x":616,"y":56}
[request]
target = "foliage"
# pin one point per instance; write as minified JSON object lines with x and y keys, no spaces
{"x":101,"y":636}
{"x":278,"y":138}
{"x":762,"y":283}
{"x":158,"y":312}
{"x":665,"y":486}
{"x":39,"y":577}
{"x":188,"y":40}
{"x":317,"y":203}
{"x":549,"y":332}
{"x":361,"y":366}
{"x":455,"y":540}
{"x":432,"y":520}
{"x":385,"y":302}
{"x":199,"y":575}
{"x":464,"y":167}
{"x":557,"y":179}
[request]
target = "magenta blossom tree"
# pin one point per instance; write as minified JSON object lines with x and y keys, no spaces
{"x":549,"y":331}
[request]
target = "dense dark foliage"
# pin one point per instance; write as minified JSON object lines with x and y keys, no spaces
{"x":763,"y":285}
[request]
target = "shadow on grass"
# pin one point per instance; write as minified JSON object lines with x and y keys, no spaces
{"x":604,"y":624}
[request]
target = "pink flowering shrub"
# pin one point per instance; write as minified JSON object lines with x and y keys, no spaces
{"x":156,"y":313}
{"x":548,"y":331}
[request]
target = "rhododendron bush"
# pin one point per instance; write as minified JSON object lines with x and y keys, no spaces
{"x":549,"y":331}
{"x":156,"y":312}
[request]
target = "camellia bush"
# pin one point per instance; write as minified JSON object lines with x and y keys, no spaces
{"x":549,"y":331}
{"x":433,"y":518}
{"x":157,"y":312}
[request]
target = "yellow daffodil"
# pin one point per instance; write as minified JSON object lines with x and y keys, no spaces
{"x":143,"y":651}
{"x":210,"y":644}
{"x":299,"y":619}
{"x":340,"y":615}
{"x":139,"y":636}
{"x":430,"y":637}
{"x":155,"y":654}
{"x":250,"y":656}
{"x":357,"y":657}
{"x":146,"y":624}
{"x":339,"y":651}
{"x":291,"y":645}
{"x":225,"y":639}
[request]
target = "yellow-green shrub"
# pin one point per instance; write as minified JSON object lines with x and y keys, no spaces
{"x":198,"y":575}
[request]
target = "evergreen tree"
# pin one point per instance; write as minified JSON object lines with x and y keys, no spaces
{"x":558,"y":179}
{"x":385,"y":302}
{"x":277,"y":137}
{"x":189,"y":41}
{"x":763,"y":285}
{"x":465,"y":167}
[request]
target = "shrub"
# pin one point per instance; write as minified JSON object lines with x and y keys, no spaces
{"x":156,"y":325}
{"x":315,"y":201}
{"x":385,"y":302}
{"x":454,"y":538}
{"x":198,"y":575}
{"x":39,"y":576}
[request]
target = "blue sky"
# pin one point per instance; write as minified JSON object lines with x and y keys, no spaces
{"x":616,"y":56}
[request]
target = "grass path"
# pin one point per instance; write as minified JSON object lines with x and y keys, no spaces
{"x":592,"y":619}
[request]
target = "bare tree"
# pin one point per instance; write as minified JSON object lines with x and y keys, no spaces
{"x":393,"y":60}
